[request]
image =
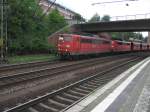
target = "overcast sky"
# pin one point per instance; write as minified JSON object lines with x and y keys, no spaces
{"x":87,"y":10}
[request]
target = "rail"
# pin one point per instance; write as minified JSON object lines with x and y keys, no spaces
{"x":70,"y":94}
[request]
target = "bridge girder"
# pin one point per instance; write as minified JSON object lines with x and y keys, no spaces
{"x":114,"y":26}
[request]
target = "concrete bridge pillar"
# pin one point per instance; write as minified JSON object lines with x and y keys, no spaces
{"x":148,"y":40}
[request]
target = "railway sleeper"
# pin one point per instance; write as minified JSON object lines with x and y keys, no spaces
{"x":93,"y":83}
{"x":31,"y":109}
{"x":81,"y":90}
{"x":105,"y":80}
{"x":47,"y":107}
{"x":108,"y":76}
{"x":59,"y":103}
{"x":86,"y":88}
{"x":76,"y":93}
{"x":98,"y":79}
{"x":70,"y":96}
{"x":39,"y":108}
{"x":64,"y":99}
{"x":90,"y":85}
{"x":53,"y":105}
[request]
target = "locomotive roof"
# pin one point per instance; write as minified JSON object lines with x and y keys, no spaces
{"x":88,"y":36}
{"x":122,"y":41}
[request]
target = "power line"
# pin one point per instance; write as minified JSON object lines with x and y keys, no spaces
{"x":49,"y":7}
{"x":99,"y":3}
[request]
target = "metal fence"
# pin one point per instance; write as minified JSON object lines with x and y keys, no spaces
{"x":131,"y":17}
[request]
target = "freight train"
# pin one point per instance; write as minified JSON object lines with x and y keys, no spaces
{"x":71,"y":45}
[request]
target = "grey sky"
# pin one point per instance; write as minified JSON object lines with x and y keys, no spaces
{"x":85,"y":8}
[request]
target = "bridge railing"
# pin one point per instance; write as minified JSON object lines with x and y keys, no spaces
{"x":131,"y":17}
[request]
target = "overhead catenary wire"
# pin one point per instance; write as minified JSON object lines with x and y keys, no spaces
{"x":49,"y":7}
{"x":99,"y":3}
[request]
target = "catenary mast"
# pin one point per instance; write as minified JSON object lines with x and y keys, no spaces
{"x":3,"y":29}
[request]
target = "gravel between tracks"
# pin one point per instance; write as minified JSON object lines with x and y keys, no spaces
{"x":28,"y":67}
{"x":27,"y":91}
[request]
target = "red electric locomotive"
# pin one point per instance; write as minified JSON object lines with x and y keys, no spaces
{"x":144,"y":47}
{"x":137,"y":46}
{"x":119,"y":46}
{"x":73,"y":44}
{"x":70,"y":45}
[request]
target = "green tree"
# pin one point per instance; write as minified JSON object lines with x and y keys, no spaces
{"x":28,"y":29}
{"x":23,"y":28}
{"x":139,"y":36}
{"x":79,"y":18}
{"x":127,"y":36}
{"x":95,"y":18}
{"x":105,"y":18}
{"x":145,"y":39}
{"x":55,"y":21}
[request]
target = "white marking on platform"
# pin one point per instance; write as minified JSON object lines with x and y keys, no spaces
{"x":112,"y":96}
{"x":102,"y":90}
{"x":143,"y":102}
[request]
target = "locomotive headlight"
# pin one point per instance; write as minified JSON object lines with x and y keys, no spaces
{"x":61,"y":38}
{"x":68,"y":46}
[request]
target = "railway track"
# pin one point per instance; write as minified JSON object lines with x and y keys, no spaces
{"x":26,"y":67}
{"x":31,"y":66}
{"x":13,"y":68}
{"x":64,"y":98}
{"x":10,"y":80}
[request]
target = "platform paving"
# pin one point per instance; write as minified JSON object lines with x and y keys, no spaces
{"x":129,"y":92}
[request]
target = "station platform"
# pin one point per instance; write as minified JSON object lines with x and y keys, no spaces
{"x":129,"y":92}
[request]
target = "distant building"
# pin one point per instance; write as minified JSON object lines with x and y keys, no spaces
{"x":67,"y":13}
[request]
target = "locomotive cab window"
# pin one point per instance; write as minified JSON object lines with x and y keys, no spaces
{"x":68,"y":38}
{"x":106,"y":42}
{"x":83,"y":40}
{"x":96,"y":41}
{"x":120,"y":43}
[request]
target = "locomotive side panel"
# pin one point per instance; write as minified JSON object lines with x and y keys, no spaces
{"x":136,"y":46}
{"x":73,"y":45}
{"x":86,"y":45}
